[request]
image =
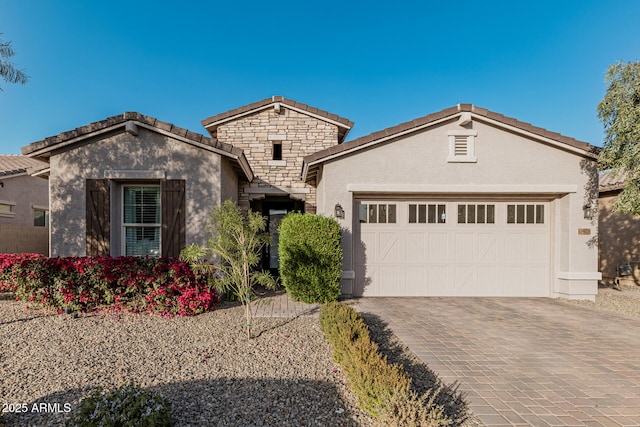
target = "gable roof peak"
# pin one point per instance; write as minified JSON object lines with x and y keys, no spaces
{"x":211,"y":123}
{"x":473,"y":112}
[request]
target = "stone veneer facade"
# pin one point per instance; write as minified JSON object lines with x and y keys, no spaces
{"x":300,"y":136}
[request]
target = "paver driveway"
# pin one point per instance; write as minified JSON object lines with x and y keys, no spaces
{"x":525,"y":361}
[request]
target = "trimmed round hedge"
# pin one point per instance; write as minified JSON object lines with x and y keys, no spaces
{"x":310,"y":257}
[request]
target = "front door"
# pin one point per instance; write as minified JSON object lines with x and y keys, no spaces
{"x":274,"y":209}
{"x":275,"y":217}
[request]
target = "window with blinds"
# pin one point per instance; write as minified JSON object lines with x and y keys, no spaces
{"x":141,"y":220}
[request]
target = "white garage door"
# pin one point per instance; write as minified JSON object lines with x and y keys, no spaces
{"x":450,"y":248}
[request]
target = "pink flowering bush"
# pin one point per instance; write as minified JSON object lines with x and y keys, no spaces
{"x":166,"y":286}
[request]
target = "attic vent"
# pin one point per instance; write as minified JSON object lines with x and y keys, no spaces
{"x":462,"y":146}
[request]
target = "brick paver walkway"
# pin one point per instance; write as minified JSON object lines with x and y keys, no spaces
{"x":538,"y":362}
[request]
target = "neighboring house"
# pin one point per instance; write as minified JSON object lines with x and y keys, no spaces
{"x":618,"y":233}
{"x":24,"y":205}
{"x":461,"y":202}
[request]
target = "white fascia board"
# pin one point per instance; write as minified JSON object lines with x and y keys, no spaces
{"x":43,"y":172}
{"x":305,"y":169}
{"x":13,"y":175}
{"x":455,"y":188}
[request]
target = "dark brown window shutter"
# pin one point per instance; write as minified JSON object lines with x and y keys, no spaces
{"x":98,"y":217}
{"x":173,"y":217}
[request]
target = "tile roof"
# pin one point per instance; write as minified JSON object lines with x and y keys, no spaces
{"x":14,"y":164}
{"x":451,"y":112}
{"x":213,"y":121}
{"x":42,"y":149}
{"x":610,"y":181}
{"x":85,"y":131}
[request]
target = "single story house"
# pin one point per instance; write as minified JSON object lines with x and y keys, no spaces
{"x":462,"y":202}
{"x":24,"y":205}
{"x":618,"y":233}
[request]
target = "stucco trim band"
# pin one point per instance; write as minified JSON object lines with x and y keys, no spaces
{"x":134,"y":174}
{"x":453,"y":188}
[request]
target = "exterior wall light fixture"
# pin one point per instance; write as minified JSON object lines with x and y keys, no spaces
{"x":588,"y":212}
{"x":338,"y":211}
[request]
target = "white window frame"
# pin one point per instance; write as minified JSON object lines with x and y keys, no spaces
{"x":470,"y":156}
{"x":47,"y":218}
{"x":123,"y":231}
{"x":12,"y":209}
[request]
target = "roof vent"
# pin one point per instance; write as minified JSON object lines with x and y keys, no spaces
{"x":130,"y":127}
{"x":465,"y":119}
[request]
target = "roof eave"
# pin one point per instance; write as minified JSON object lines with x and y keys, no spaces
{"x":588,"y":151}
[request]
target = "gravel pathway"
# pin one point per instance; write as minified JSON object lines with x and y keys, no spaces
{"x":204,"y":366}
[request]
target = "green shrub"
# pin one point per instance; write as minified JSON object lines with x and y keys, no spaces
{"x":128,"y":405}
{"x":383,"y":389}
{"x":310,"y":257}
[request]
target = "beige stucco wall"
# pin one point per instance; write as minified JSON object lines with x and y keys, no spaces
{"x":17,"y":232}
{"x":147,"y":153}
{"x":300,"y":135}
{"x":15,"y":238}
{"x":507,"y":164}
{"x":228,"y":182}
{"x":618,"y":239}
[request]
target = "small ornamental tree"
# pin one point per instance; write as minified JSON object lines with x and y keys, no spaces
{"x":310,"y":257}
{"x":619,"y":112}
{"x":236,"y":242}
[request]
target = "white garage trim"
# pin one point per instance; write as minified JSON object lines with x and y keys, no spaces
{"x":449,"y":189}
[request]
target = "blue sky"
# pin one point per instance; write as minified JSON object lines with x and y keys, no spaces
{"x":376,"y":63}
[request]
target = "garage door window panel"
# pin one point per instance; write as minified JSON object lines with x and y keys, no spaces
{"x":525,"y":214}
{"x":427,"y":214}
{"x":373,"y":214}
{"x":377,"y":213}
{"x":476,"y":214}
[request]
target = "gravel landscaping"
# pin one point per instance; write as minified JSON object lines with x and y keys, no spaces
{"x":203,"y":366}
{"x":625,"y":302}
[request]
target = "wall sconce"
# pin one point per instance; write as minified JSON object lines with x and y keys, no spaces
{"x":588,"y":212}
{"x":338,"y":211}
{"x":1,"y":184}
